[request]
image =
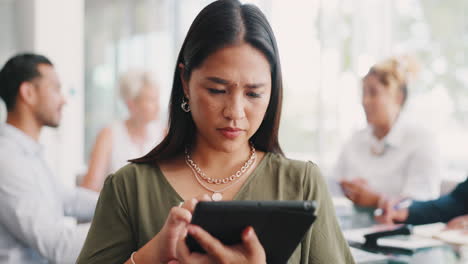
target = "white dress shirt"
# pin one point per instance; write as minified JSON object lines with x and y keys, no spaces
{"x":34,"y":227}
{"x":406,"y":162}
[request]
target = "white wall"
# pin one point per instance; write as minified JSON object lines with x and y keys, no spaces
{"x":54,"y":28}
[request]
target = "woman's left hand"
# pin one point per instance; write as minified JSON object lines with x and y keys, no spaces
{"x":249,"y":251}
{"x":359,"y":191}
{"x":460,"y":222}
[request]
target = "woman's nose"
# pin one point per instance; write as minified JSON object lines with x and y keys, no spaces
{"x":234,"y":109}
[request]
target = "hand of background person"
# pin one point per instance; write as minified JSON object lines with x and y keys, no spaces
{"x":359,"y":191}
{"x":460,"y":222}
{"x":390,"y":215}
{"x":162,"y":248}
{"x":249,"y":251}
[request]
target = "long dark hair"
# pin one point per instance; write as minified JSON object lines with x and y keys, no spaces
{"x":222,"y":23}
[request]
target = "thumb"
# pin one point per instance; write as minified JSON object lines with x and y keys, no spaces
{"x":251,"y":242}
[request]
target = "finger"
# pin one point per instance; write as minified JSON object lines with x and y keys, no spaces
{"x":341,"y":182}
{"x":350,"y":192}
{"x":190,"y":204}
{"x":251,"y":242}
{"x":178,"y":216}
{"x":454,"y":224}
{"x":182,"y":250}
{"x":349,"y":195}
{"x":388,"y":213}
{"x":346,"y":184}
{"x":352,"y":187}
{"x":389,"y":206}
{"x":379,"y":219}
{"x":382,"y":201}
{"x":205,"y":197}
{"x":185,"y":256}
{"x":210,"y":244}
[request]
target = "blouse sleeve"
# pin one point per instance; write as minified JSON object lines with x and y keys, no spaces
{"x":325,"y":242}
{"x":110,"y":238}
{"x":440,"y":210}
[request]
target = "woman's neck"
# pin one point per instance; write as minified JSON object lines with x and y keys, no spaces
{"x":382,"y":130}
{"x":218,"y":163}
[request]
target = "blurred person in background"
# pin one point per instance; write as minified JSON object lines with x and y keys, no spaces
{"x":393,"y":156}
{"x":451,"y":208}
{"x":224,"y":120}
{"x":34,"y":205}
{"x":131,"y":138}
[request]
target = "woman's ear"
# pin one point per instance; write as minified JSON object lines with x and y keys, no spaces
{"x":183,"y":81}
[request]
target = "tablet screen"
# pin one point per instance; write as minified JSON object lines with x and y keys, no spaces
{"x":279,"y":225}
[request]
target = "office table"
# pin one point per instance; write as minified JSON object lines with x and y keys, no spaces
{"x":356,"y":217}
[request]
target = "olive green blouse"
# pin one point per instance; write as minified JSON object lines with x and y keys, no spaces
{"x":136,"y":200}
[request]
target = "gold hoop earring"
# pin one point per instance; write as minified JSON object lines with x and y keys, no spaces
{"x":185,"y":106}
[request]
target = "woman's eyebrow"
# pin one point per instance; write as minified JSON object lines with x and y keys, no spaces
{"x":218,"y":80}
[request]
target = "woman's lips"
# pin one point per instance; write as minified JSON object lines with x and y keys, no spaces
{"x":230,"y":133}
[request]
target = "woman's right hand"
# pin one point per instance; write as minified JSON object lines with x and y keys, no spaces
{"x":250,"y":251}
{"x":162,"y":248}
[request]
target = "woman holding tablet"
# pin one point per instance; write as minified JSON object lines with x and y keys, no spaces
{"x":222,"y":144}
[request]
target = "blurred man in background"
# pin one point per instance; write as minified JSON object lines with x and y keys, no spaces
{"x":34,"y":222}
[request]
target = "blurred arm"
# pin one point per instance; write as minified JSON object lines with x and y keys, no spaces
{"x":80,"y":203}
{"x":99,"y":161}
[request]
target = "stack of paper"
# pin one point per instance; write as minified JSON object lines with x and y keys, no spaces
{"x":364,"y":257}
{"x":439,"y":231}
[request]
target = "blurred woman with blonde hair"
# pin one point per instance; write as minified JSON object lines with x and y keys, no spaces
{"x":130,"y":138}
{"x":392,"y":157}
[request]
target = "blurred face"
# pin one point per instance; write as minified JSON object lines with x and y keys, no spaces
{"x":381,"y":104}
{"x":228,"y":96}
{"x":50,"y":100}
{"x":145,"y":106}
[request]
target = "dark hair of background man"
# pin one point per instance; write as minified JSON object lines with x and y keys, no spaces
{"x":18,"y":69}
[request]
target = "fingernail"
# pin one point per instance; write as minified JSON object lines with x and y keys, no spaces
{"x":248,"y":232}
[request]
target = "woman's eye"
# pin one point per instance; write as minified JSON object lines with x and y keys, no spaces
{"x":254,"y":95}
{"x":216,"y":91}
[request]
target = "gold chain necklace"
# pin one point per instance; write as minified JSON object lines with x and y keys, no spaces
{"x":231,"y":178}
{"x":217,"y":194}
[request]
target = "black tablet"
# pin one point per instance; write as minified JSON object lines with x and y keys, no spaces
{"x":280,"y":225}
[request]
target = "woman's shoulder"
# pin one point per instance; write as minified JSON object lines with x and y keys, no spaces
{"x":294,"y":173}
{"x":291,"y":166}
{"x":133,"y":172}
